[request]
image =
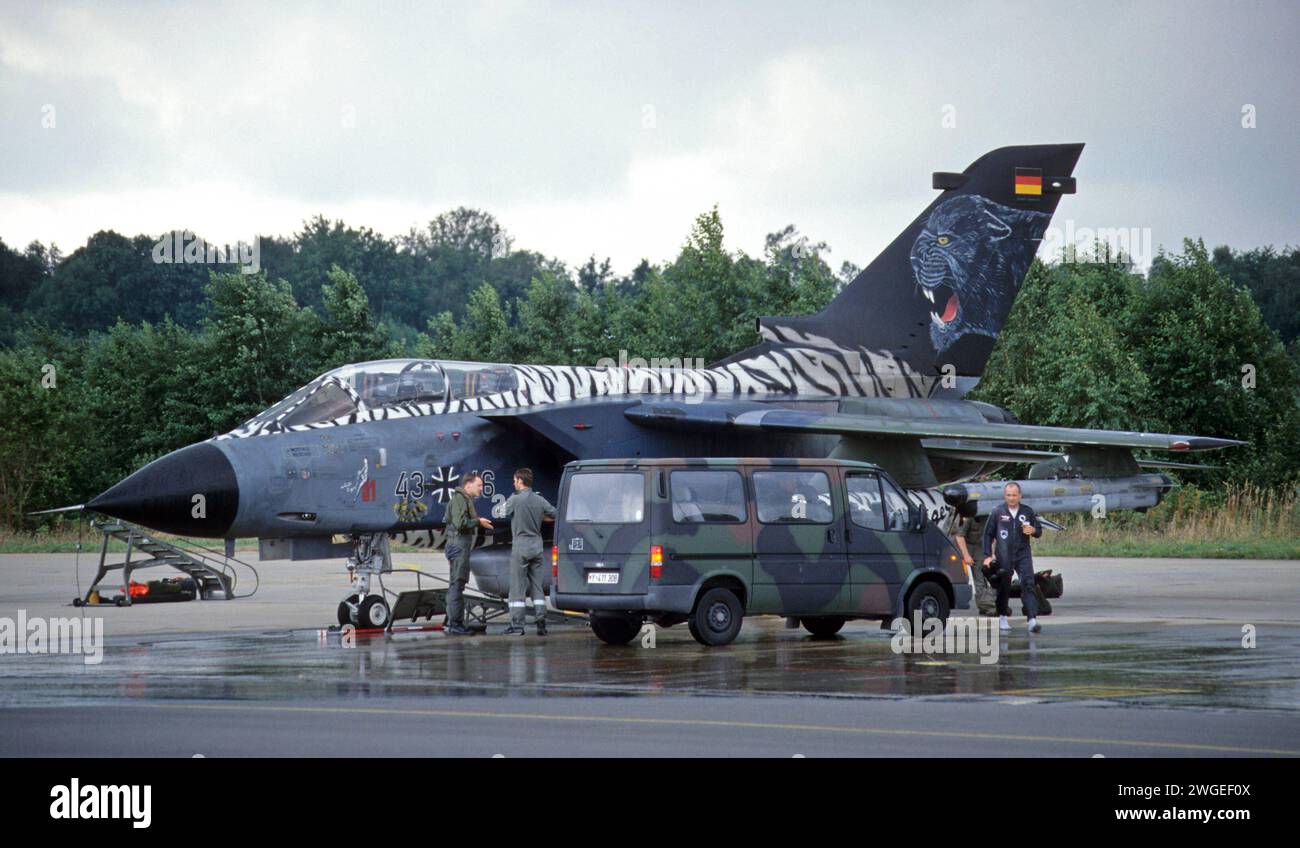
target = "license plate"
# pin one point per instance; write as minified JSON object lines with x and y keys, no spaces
{"x":604,"y":577}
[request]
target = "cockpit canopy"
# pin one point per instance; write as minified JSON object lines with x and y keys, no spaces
{"x":368,"y":386}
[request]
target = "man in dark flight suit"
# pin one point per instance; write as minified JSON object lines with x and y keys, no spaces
{"x":1006,"y":539}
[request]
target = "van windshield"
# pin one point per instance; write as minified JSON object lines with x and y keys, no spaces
{"x":606,"y":498}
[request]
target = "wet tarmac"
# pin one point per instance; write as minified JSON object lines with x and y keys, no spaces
{"x":1118,"y":685}
{"x":1157,"y":664}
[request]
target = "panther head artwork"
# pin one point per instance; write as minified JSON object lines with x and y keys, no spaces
{"x":969,"y":260}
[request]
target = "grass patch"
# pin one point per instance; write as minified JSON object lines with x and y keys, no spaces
{"x":1234,"y":523}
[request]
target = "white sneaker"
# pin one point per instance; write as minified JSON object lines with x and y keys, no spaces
{"x":1034,"y":626}
{"x":1003,"y":624}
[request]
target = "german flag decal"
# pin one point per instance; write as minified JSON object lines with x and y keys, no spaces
{"x":1029,"y":181}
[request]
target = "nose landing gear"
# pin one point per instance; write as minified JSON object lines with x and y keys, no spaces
{"x":370,"y":556}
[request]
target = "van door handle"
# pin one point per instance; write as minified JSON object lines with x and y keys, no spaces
{"x":830,"y":535}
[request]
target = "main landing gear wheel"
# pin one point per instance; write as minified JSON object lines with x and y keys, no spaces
{"x":373,"y":613}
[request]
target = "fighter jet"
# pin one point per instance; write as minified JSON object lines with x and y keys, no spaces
{"x":370,"y":452}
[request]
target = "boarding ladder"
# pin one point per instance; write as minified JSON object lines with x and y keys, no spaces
{"x":213,"y":574}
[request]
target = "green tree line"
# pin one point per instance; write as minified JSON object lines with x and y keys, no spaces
{"x":1180,"y":349}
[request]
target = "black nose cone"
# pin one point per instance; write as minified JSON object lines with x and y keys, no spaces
{"x":190,"y":492}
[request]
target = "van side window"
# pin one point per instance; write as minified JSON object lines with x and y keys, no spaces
{"x":865,"y":507}
{"x":896,"y":507}
{"x":604,"y":498}
{"x":793,"y":497}
{"x":708,"y":496}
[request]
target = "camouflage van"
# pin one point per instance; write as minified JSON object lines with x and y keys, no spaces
{"x":709,"y":541}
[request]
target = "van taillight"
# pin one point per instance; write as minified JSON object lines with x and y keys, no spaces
{"x":656,"y":561}
{"x":555,"y":562}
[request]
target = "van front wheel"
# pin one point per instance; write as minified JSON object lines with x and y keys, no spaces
{"x":929,"y":600}
{"x":615,"y":629}
{"x":823,"y":627}
{"x":717,"y":617}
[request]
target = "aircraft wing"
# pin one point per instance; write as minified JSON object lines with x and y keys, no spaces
{"x":721,"y":416}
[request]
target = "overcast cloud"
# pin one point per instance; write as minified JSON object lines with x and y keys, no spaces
{"x":606,"y":127}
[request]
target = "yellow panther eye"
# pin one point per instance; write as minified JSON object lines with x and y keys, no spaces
{"x":942,"y":240}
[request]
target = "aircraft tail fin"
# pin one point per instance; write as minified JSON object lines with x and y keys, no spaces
{"x":940,"y":293}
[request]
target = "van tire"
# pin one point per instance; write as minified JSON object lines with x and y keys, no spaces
{"x":717,"y":617}
{"x":929,"y":599}
{"x":823,"y":626}
{"x":615,"y":629}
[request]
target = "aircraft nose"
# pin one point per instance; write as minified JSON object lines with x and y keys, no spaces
{"x":190,"y":492}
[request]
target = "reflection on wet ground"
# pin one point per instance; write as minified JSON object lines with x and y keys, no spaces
{"x":1159,"y":664}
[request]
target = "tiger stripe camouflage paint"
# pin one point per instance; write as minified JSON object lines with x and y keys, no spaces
{"x":812,"y":368}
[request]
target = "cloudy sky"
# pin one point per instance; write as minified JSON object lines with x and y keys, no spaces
{"x":606,"y":127}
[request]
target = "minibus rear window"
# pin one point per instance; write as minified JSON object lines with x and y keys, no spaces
{"x":604,"y":498}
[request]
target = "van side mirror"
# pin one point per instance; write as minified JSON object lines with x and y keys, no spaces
{"x":915,"y":517}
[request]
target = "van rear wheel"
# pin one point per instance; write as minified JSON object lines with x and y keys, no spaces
{"x":615,"y":629}
{"x":823,"y":626}
{"x":717,"y":617}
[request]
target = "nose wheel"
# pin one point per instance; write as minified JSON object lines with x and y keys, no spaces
{"x":373,"y":613}
{"x":369,"y":613}
{"x":347,"y":610}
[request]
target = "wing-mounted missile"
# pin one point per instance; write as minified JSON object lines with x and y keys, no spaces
{"x":1140,"y":491}
{"x":1084,"y":480}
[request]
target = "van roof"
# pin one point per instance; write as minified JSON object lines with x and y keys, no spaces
{"x":719,"y":462}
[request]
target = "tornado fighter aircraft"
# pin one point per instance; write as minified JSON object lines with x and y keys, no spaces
{"x":370,"y":452}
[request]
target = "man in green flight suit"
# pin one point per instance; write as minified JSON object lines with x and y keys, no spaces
{"x":463,"y":524}
{"x":968,"y":534}
{"x":526,"y":510}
